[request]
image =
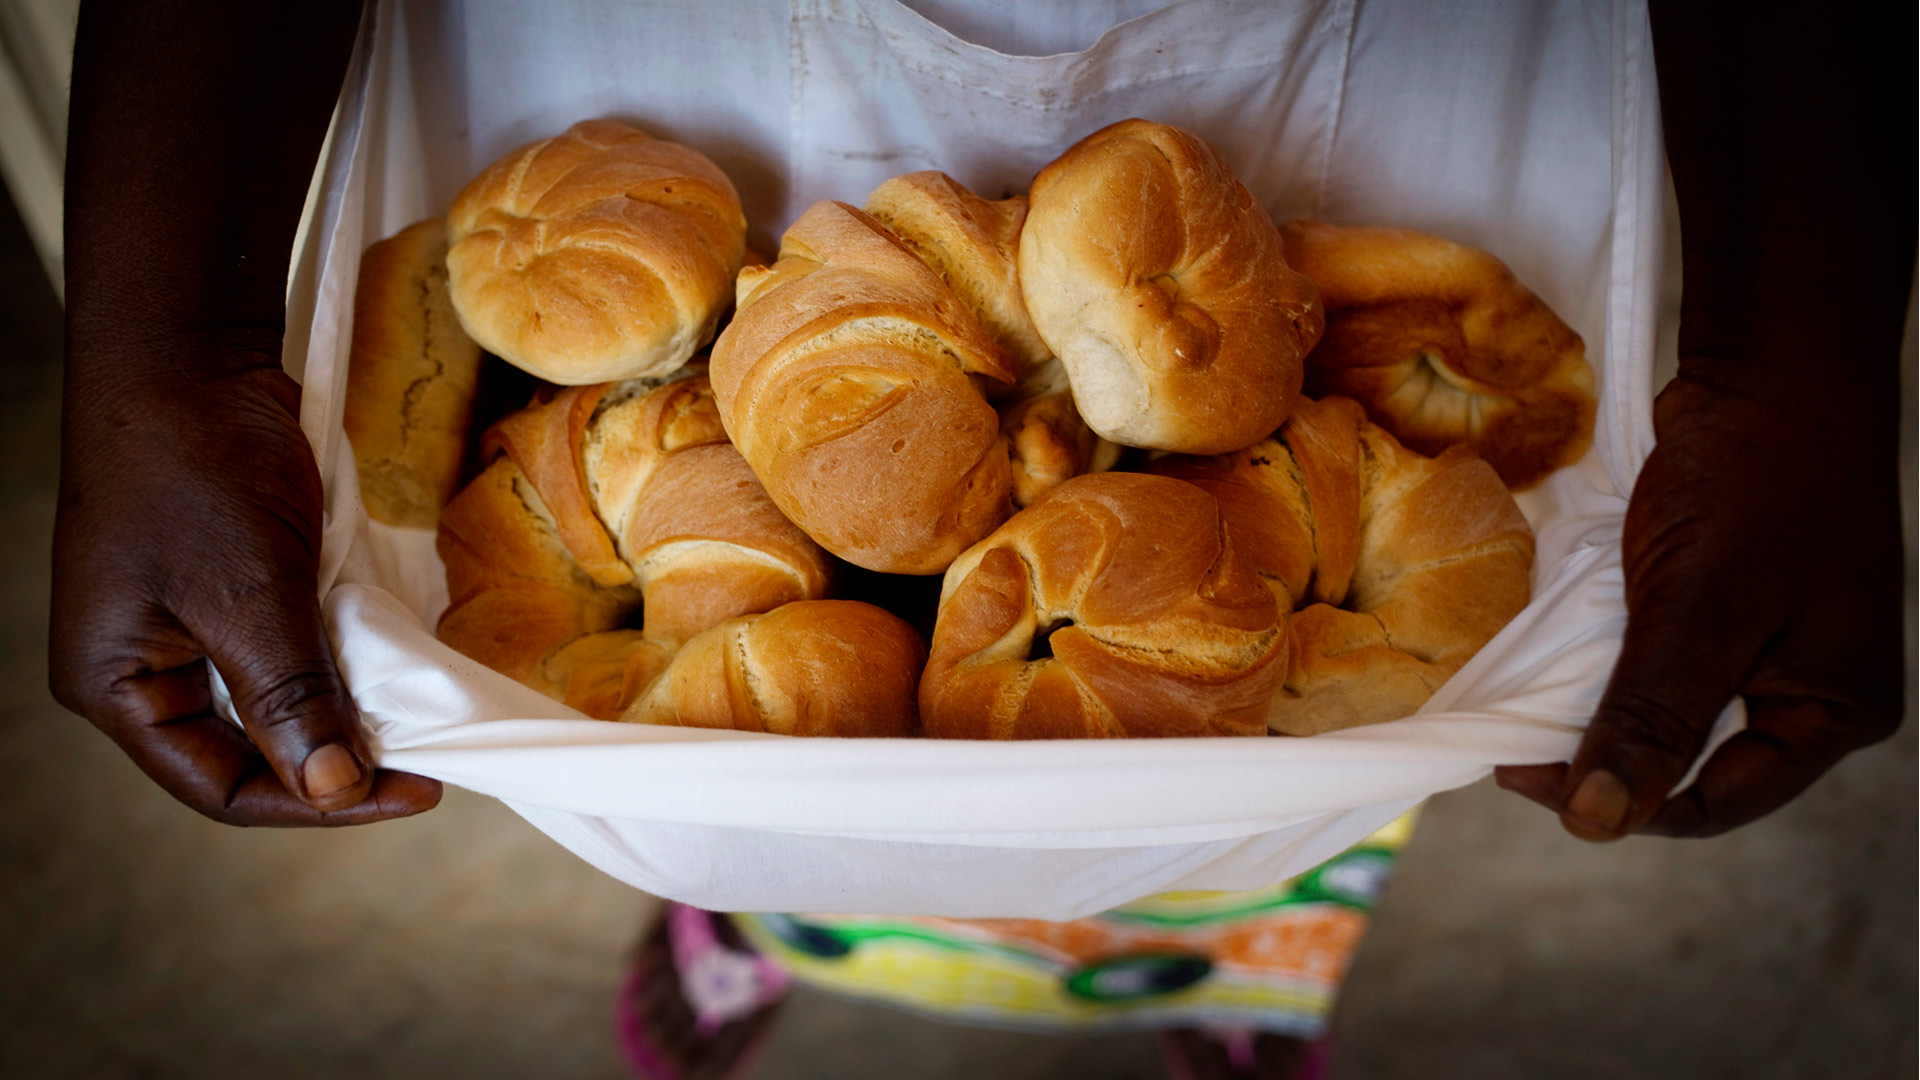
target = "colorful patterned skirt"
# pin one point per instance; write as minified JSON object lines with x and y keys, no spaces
{"x":1266,"y":960}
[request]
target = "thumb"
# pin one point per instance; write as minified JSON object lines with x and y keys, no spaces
{"x":270,"y":647}
{"x":1679,"y":665}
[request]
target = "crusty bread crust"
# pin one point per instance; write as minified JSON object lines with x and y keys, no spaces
{"x":522,"y":606}
{"x":545,"y":440}
{"x":1400,"y":566}
{"x":596,"y":255}
{"x":411,"y":379}
{"x":812,"y":667}
{"x":1155,"y":624}
{"x":631,"y":500}
{"x":1048,"y":441}
{"x":972,"y":244}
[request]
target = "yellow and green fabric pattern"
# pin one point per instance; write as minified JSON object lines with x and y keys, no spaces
{"x":1268,"y":959}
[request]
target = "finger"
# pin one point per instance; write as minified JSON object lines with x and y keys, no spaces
{"x":167,"y":726}
{"x":158,"y":697}
{"x":1676,"y":672}
{"x":1539,"y":783}
{"x":263,"y":800}
{"x":234,"y":784}
{"x":271,"y":648}
{"x":1788,"y":744}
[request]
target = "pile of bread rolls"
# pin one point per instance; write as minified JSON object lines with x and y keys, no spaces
{"x":1081,"y":407}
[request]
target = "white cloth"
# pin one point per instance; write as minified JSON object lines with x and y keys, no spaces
{"x":1529,"y":130}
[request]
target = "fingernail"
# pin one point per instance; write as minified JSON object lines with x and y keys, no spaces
{"x":329,"y":769}
{"x":1601,"y":804}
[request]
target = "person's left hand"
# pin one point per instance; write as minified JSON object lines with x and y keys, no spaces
{"x":1762,"y":558}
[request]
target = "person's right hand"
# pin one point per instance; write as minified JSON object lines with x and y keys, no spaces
{"x":189,"y":528}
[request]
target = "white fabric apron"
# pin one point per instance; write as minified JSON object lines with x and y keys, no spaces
{"x":1529,"y":130}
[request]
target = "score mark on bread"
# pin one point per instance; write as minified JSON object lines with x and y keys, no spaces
{"x":411,"y":379}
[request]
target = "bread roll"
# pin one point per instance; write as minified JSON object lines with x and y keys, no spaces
{"x":1401,"y":567}
{"x":1443,"y":345}
{"x":813,"y":667}
{"x":607,"y":499}
{"x":596,"y":255}
{"x":850,"y":379}
{"x":1115,"y":605}
{"x":1164,"y":288}
{"x":411,"y":379}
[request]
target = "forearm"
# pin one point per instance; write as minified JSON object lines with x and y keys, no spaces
{"x":194,"y":128}
{"x":1789,"y":132}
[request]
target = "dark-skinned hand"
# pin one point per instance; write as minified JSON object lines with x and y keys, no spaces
{"x":1762,"y":559}
{"x":189,"y":528}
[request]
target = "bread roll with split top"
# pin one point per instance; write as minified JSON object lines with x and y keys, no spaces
{"x":1164,"y":288}
{"x":973,"y":244}
{"x":519,"y":598}
{"x":1400,"y":566}
{"x":1115,"y":605}
{"x":1443,"y":345}
{"x":596,"y":255}
{"x":851,"y":379}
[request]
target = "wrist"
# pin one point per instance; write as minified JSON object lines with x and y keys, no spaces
{"x":180,"y":402}
{"x":1821,"y":367}
{"x":1822,"y":457}
{"x":219,"y":355}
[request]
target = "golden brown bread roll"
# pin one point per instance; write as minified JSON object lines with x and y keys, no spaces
{"x":850,"y":379}
{"x":542,"y":590}
{"x":1115,"y":605}
{"x":596,"y":255}
{"x":1164,"y":288}
{"x":1443,"y":345}
{"x":812,"y":667}
{"x":1401,"y":566}
{"x":411,"y":379}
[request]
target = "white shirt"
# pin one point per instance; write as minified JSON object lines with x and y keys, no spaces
{"x":1529,"y":130}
